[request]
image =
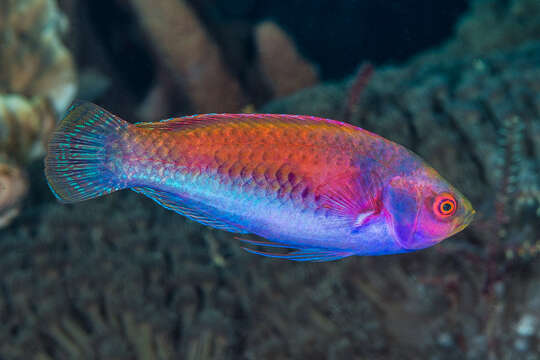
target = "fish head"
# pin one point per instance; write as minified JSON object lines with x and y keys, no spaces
{"x":423,"y":209}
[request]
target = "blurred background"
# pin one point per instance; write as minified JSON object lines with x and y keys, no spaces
{"x":456,"y":81}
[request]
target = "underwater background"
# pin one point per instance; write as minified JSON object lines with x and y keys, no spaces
{"x":457,"y":82}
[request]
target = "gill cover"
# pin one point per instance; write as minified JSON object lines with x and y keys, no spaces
{"x":402,"y":202}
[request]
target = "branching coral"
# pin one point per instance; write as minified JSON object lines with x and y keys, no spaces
{"x":200,"y":62}
{"x":283,"y":67}
{"x":192,"y":56}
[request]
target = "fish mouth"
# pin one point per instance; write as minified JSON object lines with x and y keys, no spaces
{"x":468,"y":219}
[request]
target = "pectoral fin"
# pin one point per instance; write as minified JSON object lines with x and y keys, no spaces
{"x":353,"y":197}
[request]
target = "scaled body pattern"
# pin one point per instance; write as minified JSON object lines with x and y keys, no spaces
{"x":324,"y":188}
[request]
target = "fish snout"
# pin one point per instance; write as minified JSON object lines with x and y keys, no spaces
{"x":467,"y":219}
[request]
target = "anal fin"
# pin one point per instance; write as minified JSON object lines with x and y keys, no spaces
{"x":300,"y":254}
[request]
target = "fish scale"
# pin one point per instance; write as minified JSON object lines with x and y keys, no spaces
{"x":266,"y":159}
{"x":323,"y":188}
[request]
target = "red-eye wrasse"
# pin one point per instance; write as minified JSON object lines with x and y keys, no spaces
{"x":324,"y":188}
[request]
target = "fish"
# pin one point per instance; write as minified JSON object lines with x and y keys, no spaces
{"x":311,"y":189}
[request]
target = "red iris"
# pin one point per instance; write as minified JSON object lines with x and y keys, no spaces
{"x":444,"y":205}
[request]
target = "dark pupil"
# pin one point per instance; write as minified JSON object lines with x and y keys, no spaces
{"x":447,"y":207}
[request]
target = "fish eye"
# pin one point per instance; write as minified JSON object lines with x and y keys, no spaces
{"x":445,"y":205}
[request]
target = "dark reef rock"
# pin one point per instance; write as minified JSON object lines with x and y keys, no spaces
{"x":477,"y":121}
{"x":121,"y":278}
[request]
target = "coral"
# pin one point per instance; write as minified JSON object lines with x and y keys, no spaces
{"x":13,"y":185}
{"x":121,"y":278}
{"x":508,"y":24}
{"x":285,"y":70}
{"x":25,"y":125}
{"x":192,"y":56}
{"x":324,"y":100}
{"x":37,"y":82}
{"x":132,"y":281}
{"x":476,"y":121}
{"x":360,"y":81}
{"x":492,"y":25}
{"x":33,"y":59}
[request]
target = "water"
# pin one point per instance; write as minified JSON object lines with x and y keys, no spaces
{"x":121,"y":278}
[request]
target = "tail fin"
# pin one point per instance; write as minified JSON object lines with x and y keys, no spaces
{"x":77,"y":152}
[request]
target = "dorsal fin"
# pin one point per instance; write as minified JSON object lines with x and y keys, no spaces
{"x":204,"y":120}
{"x":189,"y":122}
{"x":190,"y":209}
